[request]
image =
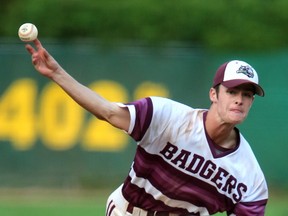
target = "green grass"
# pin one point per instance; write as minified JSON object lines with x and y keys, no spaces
{"x":35,"y":202}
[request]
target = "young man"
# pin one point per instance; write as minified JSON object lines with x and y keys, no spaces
{"x":188,"y":161}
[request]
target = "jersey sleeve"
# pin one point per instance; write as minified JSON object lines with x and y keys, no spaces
{"x":249,"y":209}
{"x":150,"y":112}
{"x":256,"y":205}
{"x":141,"y":112}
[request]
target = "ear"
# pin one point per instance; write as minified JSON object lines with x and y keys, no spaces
{"x":252,"y":101}
{"x":213,"y":95}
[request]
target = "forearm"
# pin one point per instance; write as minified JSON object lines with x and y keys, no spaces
{"x":45,"y":64}
{"x":85,"y":97}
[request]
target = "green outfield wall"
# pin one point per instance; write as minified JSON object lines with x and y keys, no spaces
{"x":46,"y":139}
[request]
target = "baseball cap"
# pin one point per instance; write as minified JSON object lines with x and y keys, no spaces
{"x":234,"y":73}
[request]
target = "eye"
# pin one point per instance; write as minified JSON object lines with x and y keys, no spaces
{"x":248,"y":94}
{"x":231,"y":91}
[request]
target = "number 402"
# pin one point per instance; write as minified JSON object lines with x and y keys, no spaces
{"x":53,"y":118}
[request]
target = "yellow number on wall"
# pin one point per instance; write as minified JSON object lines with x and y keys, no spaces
{"x":60,"y":118}
{"x":148,"y":88}
{"x":17,"y":114}
{"x":100,"y":135}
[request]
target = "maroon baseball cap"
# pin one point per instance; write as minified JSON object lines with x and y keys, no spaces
{"x":234,"y":73}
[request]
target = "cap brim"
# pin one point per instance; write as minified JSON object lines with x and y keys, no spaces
{"x":234,"y":83}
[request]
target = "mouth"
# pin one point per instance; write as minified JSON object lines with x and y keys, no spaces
{"x":236,"y":110}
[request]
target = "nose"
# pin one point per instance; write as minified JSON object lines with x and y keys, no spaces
{"x":239,"y":99}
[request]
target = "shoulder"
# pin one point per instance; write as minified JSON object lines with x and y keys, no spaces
{"x":168,"y":111}
{"x":248,"y":158}
{"x":160,"y":103}
{"x":156,"y":112}
{"x":156,"y":104}
{"x":256,"y":181}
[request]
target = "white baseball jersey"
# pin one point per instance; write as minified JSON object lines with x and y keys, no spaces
{"x":178,"y":169}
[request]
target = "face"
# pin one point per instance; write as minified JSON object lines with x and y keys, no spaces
{"x":232,"y":104}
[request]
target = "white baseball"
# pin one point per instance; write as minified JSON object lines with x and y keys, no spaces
{"x":28,"y":32}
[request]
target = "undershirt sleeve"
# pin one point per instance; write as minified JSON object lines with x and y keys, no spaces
{"x":132,"y":112}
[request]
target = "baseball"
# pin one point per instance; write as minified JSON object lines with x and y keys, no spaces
{"x":27,"y":32}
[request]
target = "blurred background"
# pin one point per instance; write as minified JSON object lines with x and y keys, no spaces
{"x":125,"y":50}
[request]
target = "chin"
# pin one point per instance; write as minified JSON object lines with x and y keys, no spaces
{"x":236,"y":120}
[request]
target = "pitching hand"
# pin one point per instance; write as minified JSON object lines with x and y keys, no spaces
{"x":42,"y":60}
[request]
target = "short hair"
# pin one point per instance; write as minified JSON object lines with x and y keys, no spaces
{"x":217,"y":87}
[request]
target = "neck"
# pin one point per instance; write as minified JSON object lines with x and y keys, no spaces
{"x":222,"y":134}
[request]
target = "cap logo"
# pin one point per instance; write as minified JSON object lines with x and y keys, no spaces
{"x":246,"y":70}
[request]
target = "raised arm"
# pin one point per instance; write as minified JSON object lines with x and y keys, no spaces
{"x":46,"y":65}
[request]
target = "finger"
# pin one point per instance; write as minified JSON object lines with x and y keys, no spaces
{"x":45,"y":54}
{"x":34,"y":61}
{"x":30,"y":49}
{"x":42,"y":51}
{"x":38,"y":44}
